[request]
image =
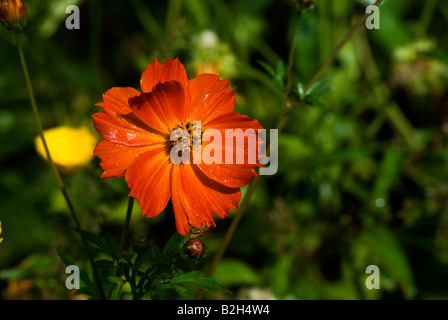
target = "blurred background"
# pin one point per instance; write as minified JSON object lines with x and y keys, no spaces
{"x":362,"y":178}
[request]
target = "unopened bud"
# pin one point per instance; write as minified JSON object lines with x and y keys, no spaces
{"x":141,"y":244}
{"x":195,"y":248}
{"x":13,"y":14}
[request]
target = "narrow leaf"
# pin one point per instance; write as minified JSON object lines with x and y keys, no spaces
{"x":91,"y":237}
{"x":268,"y":68}
{"x":103,"y":264}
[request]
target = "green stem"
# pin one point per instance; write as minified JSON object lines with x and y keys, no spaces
{"x":233,"y":225}
{"x":127,"y":221}
{"x":291,"y":56}
{"x":41,"y":133}
{"x":382,"y":94}
{"x":339,"y":47}
{"x":425,"y":18}
{"x":173,"y":12}
{"x":47,"y":152}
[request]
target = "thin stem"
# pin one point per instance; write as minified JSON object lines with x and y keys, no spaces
{"x":291,"y":54}
{"x":233,"y":225}
{"x":41,"y":133}
{"x":425,"y":18}
{"x":49,"y":158}
{"x":127,"y":221}
{"x":382,"y":94}
{"x":339,"y":47}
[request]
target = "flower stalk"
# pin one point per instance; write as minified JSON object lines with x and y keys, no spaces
{"x":41,"y":133}
{"x":47,"y":151}
{"x":127,"y":221}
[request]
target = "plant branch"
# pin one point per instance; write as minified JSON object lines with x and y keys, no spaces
{"x":339,"y":47}
{"x":41,"y":133}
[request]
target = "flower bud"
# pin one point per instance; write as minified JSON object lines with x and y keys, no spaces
{"x":13,"y":14}
{"x":195,"y":248}
{"x":141,"y":244}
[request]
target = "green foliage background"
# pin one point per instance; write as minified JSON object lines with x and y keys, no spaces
{"x":362,"y":178}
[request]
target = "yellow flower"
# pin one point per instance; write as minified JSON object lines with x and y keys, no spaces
{"x":70,"y":148}
{"x":211,"y":55}
{"x":1,"y":239}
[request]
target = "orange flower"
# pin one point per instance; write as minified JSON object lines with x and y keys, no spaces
{"x":136,"y":127}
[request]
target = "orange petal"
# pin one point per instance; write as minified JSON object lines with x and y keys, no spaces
{"x":115,"y":158}
{"x":115,"y":100}
{"x":195,"y":197}
{"x":210,"y":97}
{"x":156,"y":72}
{"x":230,"y":175}
{"x":242,"y":129}
{"x":148,"y":177}
{"x":234,"y":174}
{"x":161,"y":108}
{"x":233,"y":120}
{"x":126,"y":130}
{"x":221,"y":198}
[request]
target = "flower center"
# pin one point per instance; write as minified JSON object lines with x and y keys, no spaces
{"x":188,"y":134}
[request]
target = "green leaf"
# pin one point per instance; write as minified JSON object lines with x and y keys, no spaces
{"x":301,"y":90}
{"x":389,"y":169}
{"x":91,"y":237}
{"x":172,"y":243}
{"x":314,"y":102}
{"x":115,"y":294}
{"x":268,"y":68}
{"x":116,"y":280}
{"x":198,"y":279}
{"x":277,"y":74}
{"x":64,"y":258}
{"x":182,"y":291}
{"x":319,"y":83}
{"x":103,"y":264}
{"x":90,"y":249}
{"x":281,"y":275}
{"x":321,"y":90}
{"x":280,"y":72}
{"x":235,"y":272}
{"x":110,"y":241}
{"x":392,"y":257}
